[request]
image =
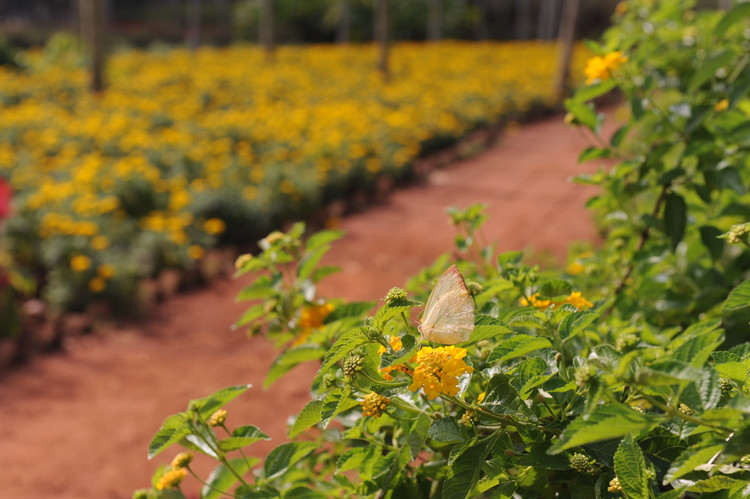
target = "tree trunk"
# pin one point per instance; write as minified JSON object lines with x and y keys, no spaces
{"x":194,"y":24}
{"x":547,"y":19}
{"x":435,"y":20}
{"x":566,"y":42}
{"x":381,"y":36}
{"x":342,"y":29}
{"x":92,"y":22}
{"x":266,"y":28}
{"x":523,"y":19}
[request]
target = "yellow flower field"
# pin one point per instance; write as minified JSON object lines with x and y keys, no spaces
{"x":187,"y":147}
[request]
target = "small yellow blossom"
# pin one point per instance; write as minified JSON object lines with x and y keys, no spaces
{"x":396,"y":344}
{"x":534,"y":301}
{"x":242,"y":260}
{"x":374,"y":404}
{"x":578,"y":301}
{"x":182,"y":460}
{"x":601,"y":68}
{"x":214,"y":226}
{"x":171,"y":478}
{"x":722,"y":105}
{"x":311,"y":318}
{"x":614,"y":486}
{"x":97,"y":284}
{"x":100,"y":243}
{"x":196,"y":252}
{"x":438,"y":370}
{"x":480,"y":398}
{"x":105,"y":271}
{"x":217,"y":418}
{"x":80,"y":263}
{"x":575,"y":298}
{"x":574,"y":268}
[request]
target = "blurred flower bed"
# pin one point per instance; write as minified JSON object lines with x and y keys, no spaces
{"x":187,"y":150}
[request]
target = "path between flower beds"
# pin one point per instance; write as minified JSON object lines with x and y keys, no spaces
{"x":77,"y":424}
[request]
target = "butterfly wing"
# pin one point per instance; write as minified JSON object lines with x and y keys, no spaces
{"x":449,"y":314}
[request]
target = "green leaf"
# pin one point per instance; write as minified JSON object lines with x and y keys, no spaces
{"x":446,"y":430}
{"x":619,"y":135}
{"x":593,"y":91}
{"x":389,"y":311}
{"x":667,"y":372}
{"x":464,"y":473}
{"x":346,"y":343}
{"x":208,"y":405}
{"x":516,"y":346}
{"x":740,"y":12}
{"x":733,"y":370}
{"x":418,"y":434}
{"x":323,"y":238}
{"x":251,"y":314}
{"x":691,"y":458}
{"x":509,"y":258}
{"x":242,"y":437}
{"x":409,"y":346}
{"x":675,"y":218}
{"x":355,"y":309}
{"x":221,"y":479}
{"x":288,"y":359}
{"x":716,"y":483}
{"x":303,"y":492}
{"x":553,"y":288}
{"x":582,"y":112}
{"x":593,"y":152}
{"x":708,"y":68}
{"x":285,"y":456}
{"x":630,"y":466}
{"x":336,"y":402}
{"x":310,"y":415}
{"x":603,"y":423}
{"x":261,"y":288}
{"x":710,"y":239}
{"x":739,"y":298}
{"x":172,"y":430}
{"x":310,"y":261}
{"x":729,"y":178}
{"x":576,"y":322}
{"x":354,"y":458}
{"x":697,"y":350}
{"x":486,"y":327}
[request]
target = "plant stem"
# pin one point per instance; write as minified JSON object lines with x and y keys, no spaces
{"x":206,"y":484}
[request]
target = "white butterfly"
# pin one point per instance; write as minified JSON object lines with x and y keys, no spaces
{"x":448,"y":317}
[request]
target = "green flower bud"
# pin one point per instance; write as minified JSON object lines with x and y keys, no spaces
{"x":395,"y":295}
{"x":352,"y":365}
{"x":580,"y":463}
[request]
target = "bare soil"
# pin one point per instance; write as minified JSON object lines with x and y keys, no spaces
{"x":77,"y":424}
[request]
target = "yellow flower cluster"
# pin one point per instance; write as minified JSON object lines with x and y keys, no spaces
{"x":438,"y":370}
{"x":575,"y":298}
{"x":311,"y":318}
{"x":374,"y":404}
{"x":171,"y":478}
{"x":217,"y":418}
{"x":601,"y":68}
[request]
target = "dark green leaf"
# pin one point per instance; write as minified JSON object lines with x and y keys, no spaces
{"x":291,"y":358}
{"x":409,"y":346}
{"x":172,"y":430}
{"x":418,"y":434}
{"x":619,"y":135}
{"x":465,"y":471}
{"x":516,"y":346}
{"x":575,"y":323}
{"x":221,"y":479}
{"x":708,"y":68}
{"x":603,"y":423}
{"x":630,"y":466}
{"x":730,"y":178}
{"x":353,"y":458}
{"x":716,"y":483}
{"x":486,"y":327}
{"x":675,"y":218}
{"x":690,"y":459}
{"x":446,"y":430}
{"x":208,"y":405}
{"x":389,"y":311}
{"x":554,"y":288}
{"x":345,"y":344}
{"x":310,"y":261}
{"x":285,"y":456}
{"x":302,"y":492}
{"x":336,"y":402}
{"x":739,"y":298}
{"x":697,"y":349}
{"x":710,"y":239}
{"x":310,"y":415}
{"x":354,"y":309}
{"x":242,"y":437}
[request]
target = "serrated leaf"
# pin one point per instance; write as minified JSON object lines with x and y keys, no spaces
{"x":291,"y":358}
{"x":285,"y":456}
{"x":464,"y":473}
{"x":739,"y":298}
{"x":221,"y":479}
{"x":353,"y":458}
{"x":409,"y":344}
{"x":716,"y":483}
{"x":517,"y":346}
{"x":486,"y":327}
{"x":446,"y":430}
{"x":576,"y":322}
{"x":418,"y":434}
{"x":552,"y":288}
{"x":690,"y":459}
{"x":355,"y":309}
{"x":335,"y":403}
{"x":630,"y":466}
{"x":603,"y":423}
{"x":242,"y":437}
{"x":208,"y":405}
{"x":308,"y":416}
{"x":346,"y":343}
{"x":733,"y":370}
{"x":389,"y":311}
{"x":667,"y":372}
{"x":172,"y":430}
{"x":697,"y":349}
{"x":675,"y":218}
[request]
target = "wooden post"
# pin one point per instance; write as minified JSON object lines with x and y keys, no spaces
{"x":92,"y":22}
{"x":266,"y":28}
{"x":381,"y":35}
{"x":566,"y":42}
{"x":435,"y":20}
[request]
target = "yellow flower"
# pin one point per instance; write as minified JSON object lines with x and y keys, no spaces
{"x":374,"y":404}
{"x":534,"y":301}
{"x":480,"y":398}
{"x":601,"y":68}
{"x":722,"y":105}
{"x":575,"y":298}
{"x":396,"y":344}
{"x":214,"y":226}
{"x":196,"y":252}
{"x":313,"y":317}
{"x":80,"y":263}
{"x":182,"y":460}
{"x":97,"y":284}
{"x":614,"y":486}
{"x":217,"y":418}
{"x":242,"y":260}
{"x":578,"y":301}
{"x":438,"y":370}
{"x":105,"y":271}
{"x":171,"y":478}
{"x":575,"y":267}
{"x":100,"y":243}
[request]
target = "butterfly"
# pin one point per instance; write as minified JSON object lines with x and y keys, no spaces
{"x":448,"y":317}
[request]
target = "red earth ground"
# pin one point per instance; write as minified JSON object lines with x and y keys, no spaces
{"x":77,"y":424}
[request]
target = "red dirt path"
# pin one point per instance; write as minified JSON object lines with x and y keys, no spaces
{"x":77,"y":424}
